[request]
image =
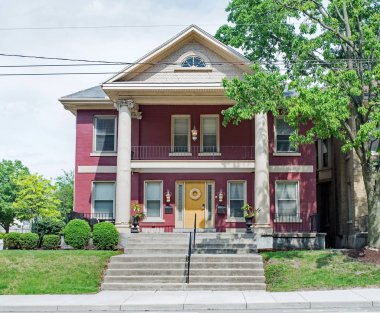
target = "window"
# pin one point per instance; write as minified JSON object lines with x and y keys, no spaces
{"x":180,"y":198}
{"x":325,"y":153}
{"x":210,"y":130}
{"x":180,"y":133}
{"x":103,"y":199}
{"x":236,"y":198}
{"x":193,"y":61}
{"x":283,"y":132}
{"x":287,"y":204}
{"x":153,"y":198}
{"x":105,"y":134}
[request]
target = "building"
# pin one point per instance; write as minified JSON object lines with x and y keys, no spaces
{"x":153,"y":135}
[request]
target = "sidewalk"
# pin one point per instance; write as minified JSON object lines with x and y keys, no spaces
{"x":193,"y":300}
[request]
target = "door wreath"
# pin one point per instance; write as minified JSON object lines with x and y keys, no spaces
{"x":195,"y":194}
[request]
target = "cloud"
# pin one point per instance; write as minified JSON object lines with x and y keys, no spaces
{"x":34,"y":127}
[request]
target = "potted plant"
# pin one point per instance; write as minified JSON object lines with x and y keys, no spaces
{"x":249,"y":214}
{"x":137,"y":216}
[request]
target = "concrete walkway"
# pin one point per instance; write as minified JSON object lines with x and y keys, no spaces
{"x":193,"y":300}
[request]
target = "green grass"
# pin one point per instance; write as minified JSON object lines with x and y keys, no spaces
{"x":52,"y":272}
{"x":303,"y":270}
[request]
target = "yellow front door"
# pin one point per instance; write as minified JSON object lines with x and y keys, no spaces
{"x":195,"y":204}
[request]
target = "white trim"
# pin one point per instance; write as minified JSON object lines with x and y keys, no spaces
{"x":298,"y":197}
{"x":291,"y":168}
{"x":103,"y":154}
{"x":181,"y":154}
{"x":193,"y":69}
{"x":154,"y":219}
{"x":94,"y":121}
{"x":287,"y":154}
{"x":209,"y":154}
{"x":173,"y":117}
{"x":202,"y":117}
{"x":93,"y":198}
{"x":86,"y":169}
{"x":229,"y":218}
{"x":195,"y":166}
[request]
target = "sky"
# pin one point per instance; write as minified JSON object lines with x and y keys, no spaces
{"x":34,"y":126}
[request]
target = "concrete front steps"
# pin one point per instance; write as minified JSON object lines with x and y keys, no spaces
{"x":158,"y":262}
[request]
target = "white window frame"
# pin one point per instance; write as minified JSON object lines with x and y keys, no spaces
{"x":299,"y":220}
{"x":159,"y":219}
{"x":229,"y":218}
{"x":188,"y":153}
{"x":101,"y":152}
{"x":281,"y":153}
{"x":217,"y":153}
{"x":93,"y":183}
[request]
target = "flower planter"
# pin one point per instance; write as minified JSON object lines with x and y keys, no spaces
{"x":248,"y":223}
{"x":135,"y":224}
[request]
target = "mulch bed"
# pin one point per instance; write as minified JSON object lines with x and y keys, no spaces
{"x":365,"y":255}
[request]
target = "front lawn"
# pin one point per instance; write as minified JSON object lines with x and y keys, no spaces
{"x":52,"y":272}
{"x":328,"y":269}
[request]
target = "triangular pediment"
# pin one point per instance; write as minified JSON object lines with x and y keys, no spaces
{"x":162,"y":65}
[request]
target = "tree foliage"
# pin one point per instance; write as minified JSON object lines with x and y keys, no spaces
{"x":330,"y":53}
{"x":65,"y":192}
{"x":10,"y":172}
{"x":35,"y":198}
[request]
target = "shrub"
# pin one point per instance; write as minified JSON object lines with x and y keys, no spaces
{"x":51,"y":242}
{"x":47,"y":226}
{"x":105,"y":236}
{"x":28,"y":241}
{"x":2,"y":235}
{"x":12,"y":241}
{"x":77,"y":233}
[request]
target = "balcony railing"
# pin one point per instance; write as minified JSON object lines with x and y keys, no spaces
{"x":92,"y":218}
{"x":193,"y":153}
{"x":298,"y":223}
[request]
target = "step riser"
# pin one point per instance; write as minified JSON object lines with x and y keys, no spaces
{"x":249,"y":259}
{"x":145,"y":279}
{"x":190,"y":286}
{"x":224,"y":251}
{"x":194,"y":265}
{"x":179,"y":272}
{"x":155,"y":251}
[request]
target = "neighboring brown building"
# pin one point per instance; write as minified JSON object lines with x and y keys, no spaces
{"x":341,"y":196}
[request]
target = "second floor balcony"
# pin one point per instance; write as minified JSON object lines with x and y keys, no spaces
{"x":193,"y":153}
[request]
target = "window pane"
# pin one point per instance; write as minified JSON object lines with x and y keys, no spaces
{"x":209,"y":134}
{"x":236,"y":190}
{"x":104,"y":208}
{"x":209,"y":202}
{"x":180,"y":202}
{"x":181,"y":134}
{"x":153,"y":191}
{"x":105,"y":134}
{"x":153,"y":199}
{"x":235,"y":208}
{"x":104,"y":191}
{"x":283,"y":132}
{"x":287,"y":198}
{"x":153,"y":208}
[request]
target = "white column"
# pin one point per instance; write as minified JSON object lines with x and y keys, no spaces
{"x":123,"y":171}
{"x":262,"y":173}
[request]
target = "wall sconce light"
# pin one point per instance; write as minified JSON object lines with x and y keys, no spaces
{"x":168,"y":195}
{"x":221,"y":195}
{"x":194,"y":134}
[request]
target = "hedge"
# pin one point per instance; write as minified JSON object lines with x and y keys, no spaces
{"x":28,"y":241}
{"x":105,"y":236}
{"x":12,"y":241}
{"x":77,"y":233}
{"x":51,"y":242}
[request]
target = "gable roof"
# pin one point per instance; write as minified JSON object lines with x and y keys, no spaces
{"x":184,"y":36}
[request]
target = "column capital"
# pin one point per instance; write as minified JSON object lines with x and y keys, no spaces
{"x":131,"y":105}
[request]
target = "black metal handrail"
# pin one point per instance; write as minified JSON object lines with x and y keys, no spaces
{"x":188,"y":260}
{"x":195,"y":228}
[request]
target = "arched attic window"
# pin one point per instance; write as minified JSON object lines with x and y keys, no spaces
{"x":193,"y":61}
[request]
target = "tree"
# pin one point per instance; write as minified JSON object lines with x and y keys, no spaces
{"x":65,"y":192}
{"x":330,"y":51}
{"x":35,"y":198}
{"x":10,"y":172}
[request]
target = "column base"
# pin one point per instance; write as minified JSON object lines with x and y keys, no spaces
{"x":123,"y":228}
{"x":263,"y":229}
